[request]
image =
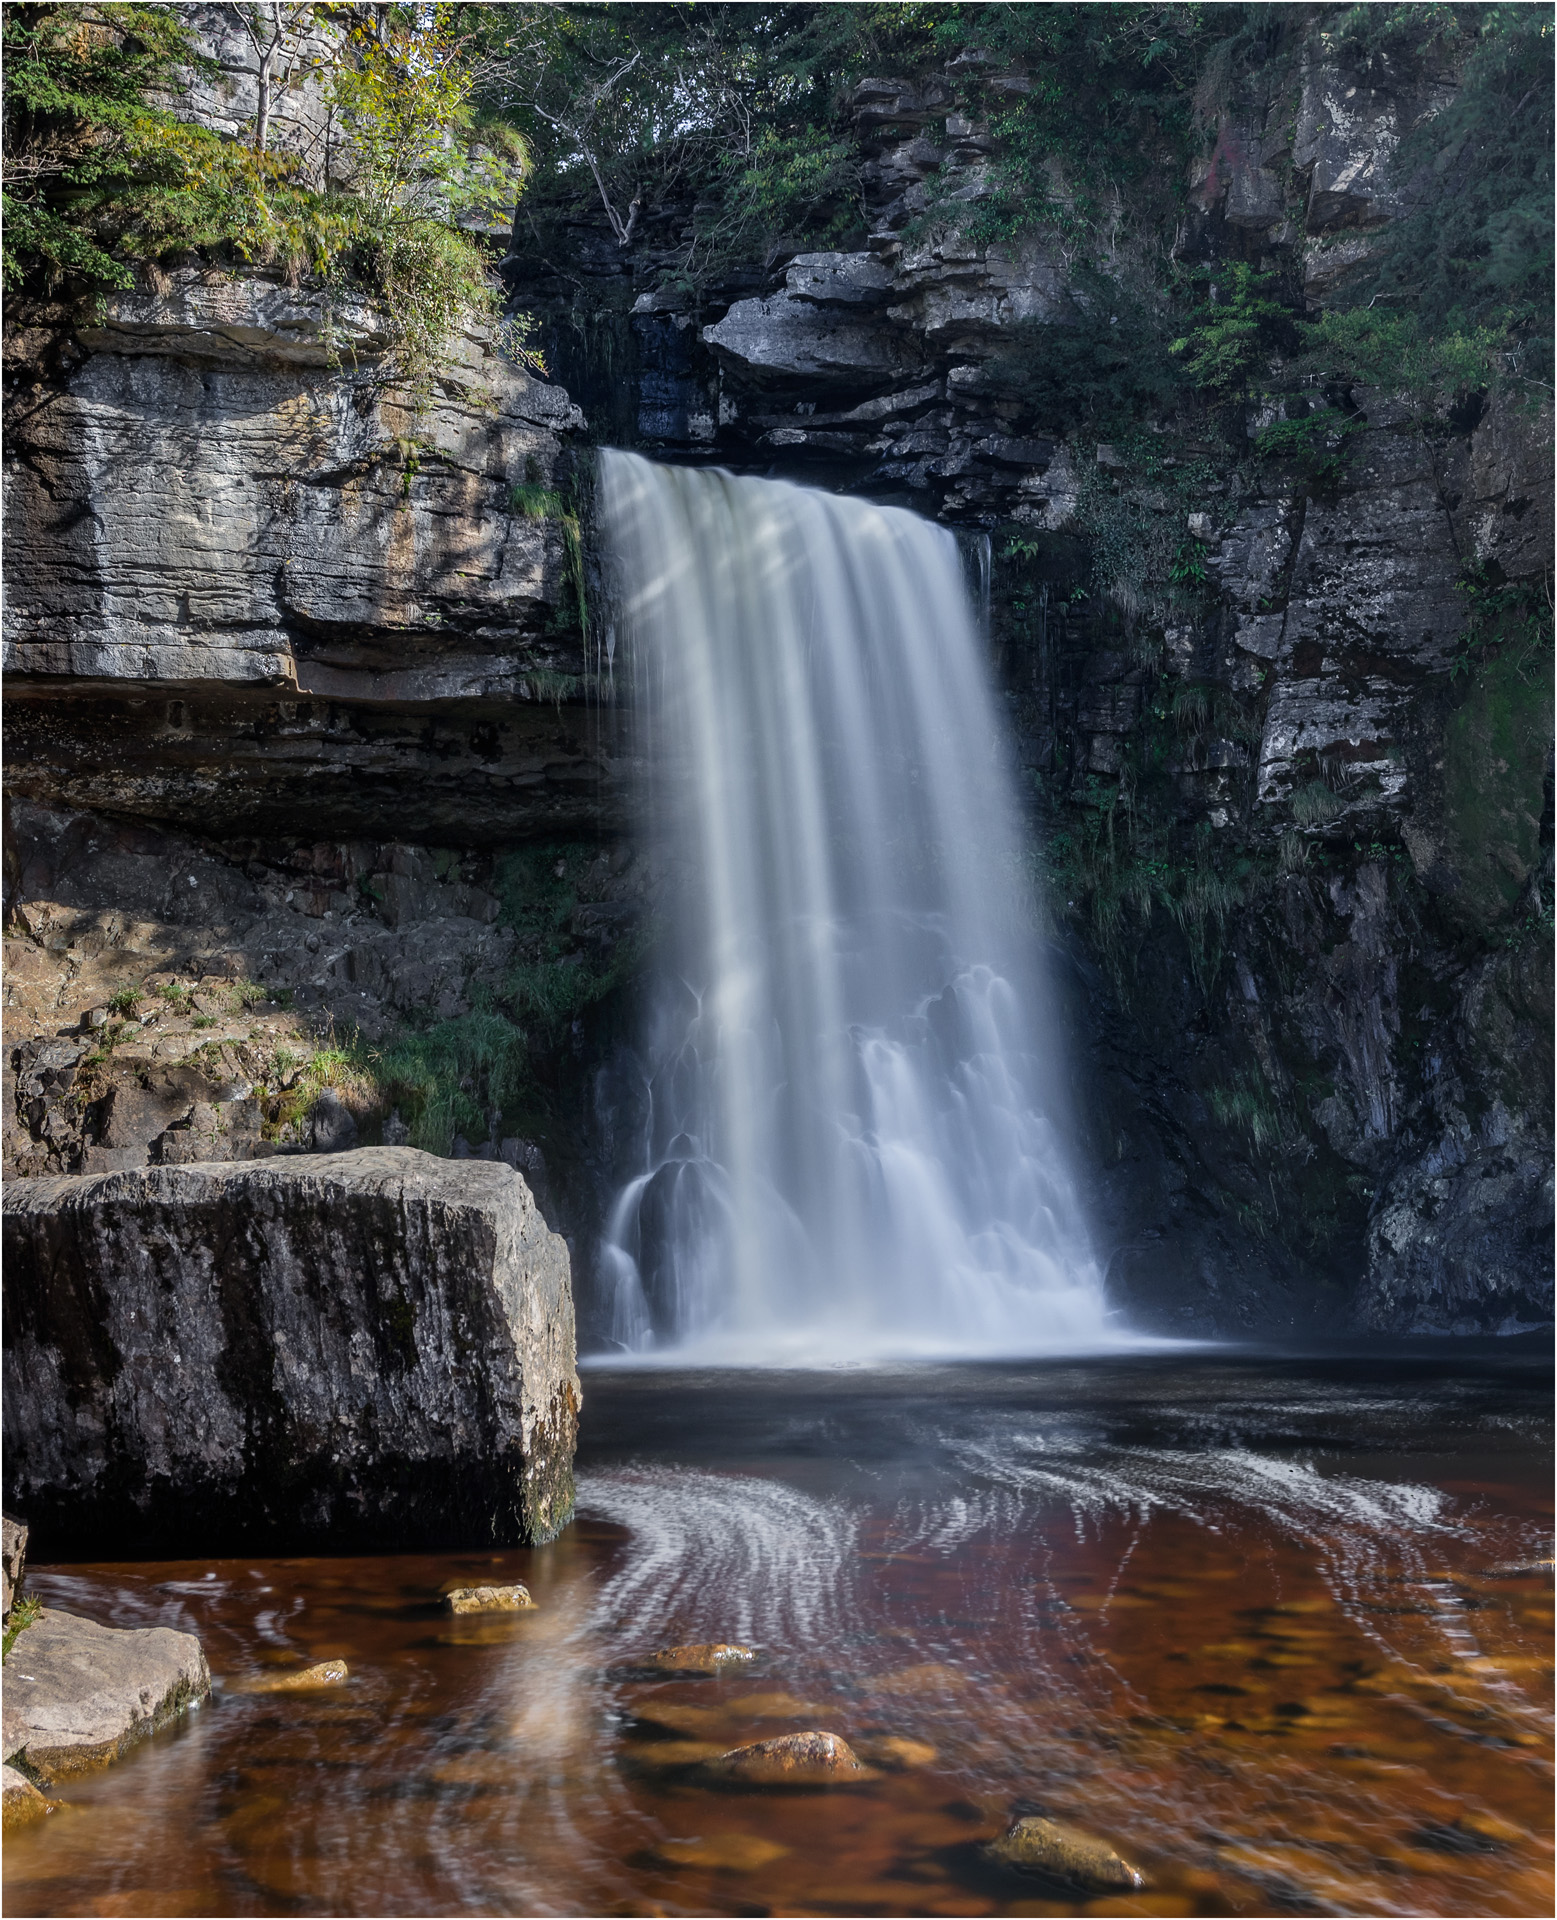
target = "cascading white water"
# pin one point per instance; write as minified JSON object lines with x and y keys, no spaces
{"x":851,"y":1137}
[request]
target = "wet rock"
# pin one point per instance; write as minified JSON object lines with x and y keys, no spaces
{"x":714,"y":1657}
{"x":382,"y":1353}
{"x":1060,"y":1852}
{"x":13,"y":1558}
{"x":334,"y":1128}
{"x":83,"y":1694}
{"x":20,"y":1800}
{"x":723,"y":1852}
{"x":327,"y":1673}
{"x":511,"y":1599}
{"x":793,"y":1760}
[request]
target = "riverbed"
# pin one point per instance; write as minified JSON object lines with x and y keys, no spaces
{"x":1277,"y":1629}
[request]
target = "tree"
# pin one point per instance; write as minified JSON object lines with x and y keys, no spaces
{"x":277,"y":34}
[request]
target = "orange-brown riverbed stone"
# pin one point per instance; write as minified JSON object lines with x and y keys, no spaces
{"x":1065,"y":1853}
{"x":510,"y":1599}
{"x":793,"y":1760}
{"x":327,"y":1673}
{"x":710,"y":1657}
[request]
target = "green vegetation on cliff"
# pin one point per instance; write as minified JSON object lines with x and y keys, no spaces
{"x":107,"y":181}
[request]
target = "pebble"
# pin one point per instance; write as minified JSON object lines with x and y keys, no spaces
{"x":712,"y":1657}
{"x":328,"y":1673}
{"x":514,"y":1599}
{"x":1065,"y":1853}
{"x":793,"y":1760}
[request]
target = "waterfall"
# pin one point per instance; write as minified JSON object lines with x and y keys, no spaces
{"x":851,"y":1118}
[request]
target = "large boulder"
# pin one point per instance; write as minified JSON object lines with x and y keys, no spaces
{"x":373,"y":1348}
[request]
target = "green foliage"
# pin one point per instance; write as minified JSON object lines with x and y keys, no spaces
{"x":446,"y":1078}
{"x":1188,"y":566}
{"x":177,"y":995}
{"x":1316,"y":804}
{"x":1133,"y":519}
{"x":1396,"y":351}
{"x":533,"y":502}
{"x":1499,"y":611}
{"x":1104,"y":366}
{"x":1107,"y":112}
{"x":99,"y":181}
{"x":1247,"y":1106}
{"x":1472,"y":255}
{"x":126,"y":1001}
{"x":25,"y":1610}
{"x":1314,"y":443}
{"x":1120,"y":862}
{"x":1497,"y":745}
{"x":1228,"y":351}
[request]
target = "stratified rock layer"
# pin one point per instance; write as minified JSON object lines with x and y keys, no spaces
{"x":369,"y":1348}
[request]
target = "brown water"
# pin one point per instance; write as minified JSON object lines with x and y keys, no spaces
{"x":1250,"y":1620}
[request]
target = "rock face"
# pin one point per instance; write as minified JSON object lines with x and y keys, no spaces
{"x":78,"y":1695}
{"x":249,"y":587}
{"x":15,"y":1560}
{"x":368,"y":1348}
{"x":1326,"y":1104}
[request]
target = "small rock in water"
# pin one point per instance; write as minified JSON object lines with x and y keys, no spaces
{"x":1065,"y":1853}
{"x":897,"y":1753}
{"x":328,"y":1673}
{"x":21,"y":1801}
{"x":793,"y":1760}
{"x":512,"y":1599}
{"x":711,"y":1658}
{"x":726,"y":1852}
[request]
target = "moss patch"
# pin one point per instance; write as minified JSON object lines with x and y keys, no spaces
{"x":1496,"y":749}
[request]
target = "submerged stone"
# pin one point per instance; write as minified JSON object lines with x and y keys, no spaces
{"x":793,"y":1760}
{"x":20,"y":1801}
{"x":510,"y":1599}
{"x":353,"y":1350}
{"x":724,"y":1852}
{"x":78,"y":1695}
{"x":328,"y":1673}
{"x":712,"y":1657}
{"x":1061,"y":1852}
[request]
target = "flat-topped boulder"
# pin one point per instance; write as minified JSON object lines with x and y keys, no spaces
{"x":362,"y":1349}
{"x":78,"y":1695}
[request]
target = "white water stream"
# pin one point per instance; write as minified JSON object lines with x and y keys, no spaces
{"x":853,"y":1141}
